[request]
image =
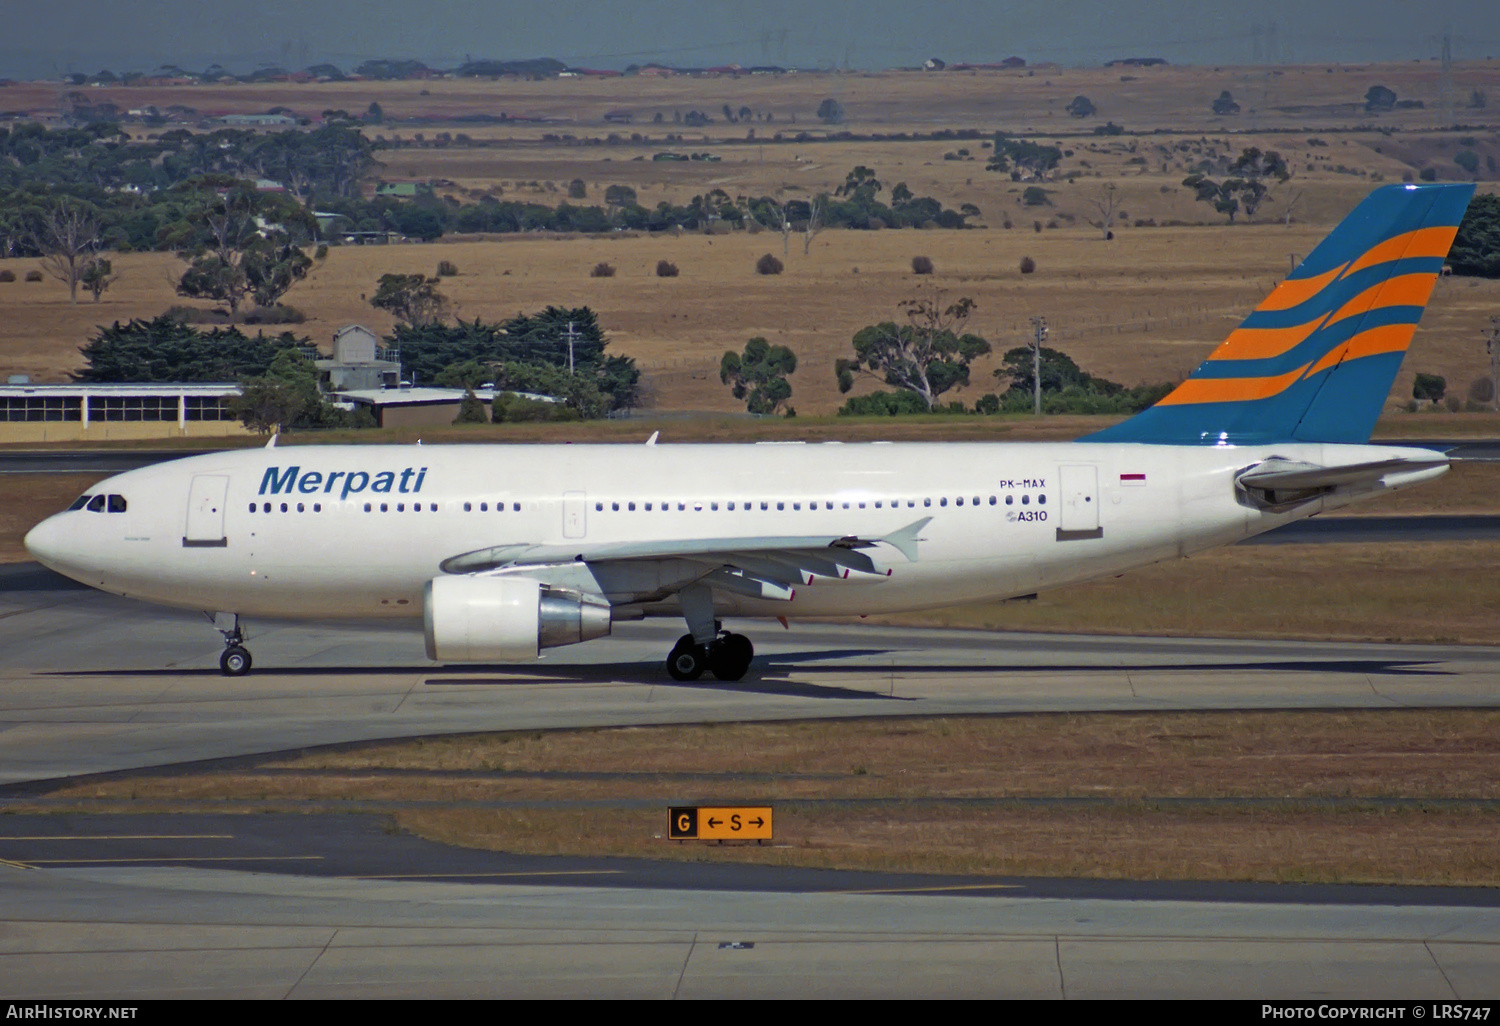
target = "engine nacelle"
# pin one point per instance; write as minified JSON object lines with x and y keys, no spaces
{"x":504,"y":619}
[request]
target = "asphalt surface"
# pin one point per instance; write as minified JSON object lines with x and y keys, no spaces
{"x":338,"y":904}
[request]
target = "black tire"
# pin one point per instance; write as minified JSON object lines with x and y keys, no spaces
{"x":687,"y":662}
{"x":235,"y":662}
{"x":730,"y":658}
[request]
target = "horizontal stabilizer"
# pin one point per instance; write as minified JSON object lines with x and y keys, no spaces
{"x":1280,"y":475}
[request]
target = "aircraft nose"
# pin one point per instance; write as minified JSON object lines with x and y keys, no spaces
{"x":44,"y":542}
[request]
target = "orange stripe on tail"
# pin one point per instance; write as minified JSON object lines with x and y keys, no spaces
{"x":1228,"y":390}
{"x":1402,"y":290}
{"x":1388,"y":338}
{"x":1424,"y":242}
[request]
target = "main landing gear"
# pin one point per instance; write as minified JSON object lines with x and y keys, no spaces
{"x":726,"y":657}
{"x":235,"y":660}
{"x":707,"y":646}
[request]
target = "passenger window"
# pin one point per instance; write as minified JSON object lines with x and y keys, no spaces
{"x":83,"y":500}
{"x":1010,"y":500}
{"x":317,"y":507}
{"x":301,"y":508}
{"x":367,"y":507}
{"x":468,"y":507}
{"x":1025,"y":500}
{"x":926,"y":502}
{"x":265,"y":507}
{"x":515,"y":507}
{"x":96,"y":504}
{"x":943,"y":501}
{"x":960,"y":500}
{"x":283,"y":507}
{"x":1041,"y":500}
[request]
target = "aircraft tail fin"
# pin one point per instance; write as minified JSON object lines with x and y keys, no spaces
{"x":1316,"y":359}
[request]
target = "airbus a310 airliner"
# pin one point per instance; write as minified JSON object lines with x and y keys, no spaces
{"x":506,"y":550}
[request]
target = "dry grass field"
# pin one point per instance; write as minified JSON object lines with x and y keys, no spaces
{"x":1146,"y":306}
{"x":1402,"y":796}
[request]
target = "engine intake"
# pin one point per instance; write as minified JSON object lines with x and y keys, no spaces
{"x":504,"y":619}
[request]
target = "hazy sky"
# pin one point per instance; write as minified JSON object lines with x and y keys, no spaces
{"x":60,"y":36}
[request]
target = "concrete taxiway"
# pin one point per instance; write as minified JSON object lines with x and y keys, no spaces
{"x":89,"y":684}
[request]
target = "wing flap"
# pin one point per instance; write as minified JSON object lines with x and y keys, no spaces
{"x":776,"y":558}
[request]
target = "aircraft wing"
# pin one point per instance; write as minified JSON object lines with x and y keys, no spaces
{"x":762,"y":567}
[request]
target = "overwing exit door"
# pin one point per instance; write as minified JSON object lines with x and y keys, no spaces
{"x":575,"y":523}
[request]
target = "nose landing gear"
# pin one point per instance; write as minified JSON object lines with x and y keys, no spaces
{"x":235,"y":660}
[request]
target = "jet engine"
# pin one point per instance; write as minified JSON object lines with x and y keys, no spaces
{"x":504,"y":619}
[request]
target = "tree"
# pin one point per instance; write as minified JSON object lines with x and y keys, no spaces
{"x":831,"y":112}
{"x":97,"y":277}
{"x":619,"y":196}
{"x":861,"y":186}
{"x":759,"y":375}
{"x":1225,"y":104}
{"x":410,"y":298}
{"x":1378,"y":99}
{"x":1022,"y":158}
{"x":1082,"y":107}
{"x":66,"y":234}
{"x":815,"y":221}
{"x":1430,"y":387}
{"x":1249,"y":187}
{"x":286,"y":395}
{"x":1476,"y":247}
{"x":928,"y":355}
{"x":166,"y":349}
{"x":240,"y":244}
{"x":1106,"y":203}
{"x":471,"y":410}
{"x":1254,"y":170}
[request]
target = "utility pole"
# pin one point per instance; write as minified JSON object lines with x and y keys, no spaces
{"x":1039,"y":332}
{"x":572,"y":334}
{"x":1492,"y":346}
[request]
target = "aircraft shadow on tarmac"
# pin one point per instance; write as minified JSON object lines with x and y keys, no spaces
{"x":773,"y":674}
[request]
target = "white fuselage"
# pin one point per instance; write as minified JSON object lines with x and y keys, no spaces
{"x":312,"y":532}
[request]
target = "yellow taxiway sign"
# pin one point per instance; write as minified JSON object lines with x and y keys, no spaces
{"x":719,"y":823}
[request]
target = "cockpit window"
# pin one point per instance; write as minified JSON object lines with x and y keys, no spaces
{"x":96,"y":504}
{"x":117,"y":504}
{"x":80,"y":502}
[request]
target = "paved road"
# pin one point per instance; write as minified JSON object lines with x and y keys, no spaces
{"x":197,"y":906}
